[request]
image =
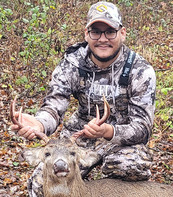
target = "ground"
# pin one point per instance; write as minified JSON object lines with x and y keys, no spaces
{"x":33,"y":38}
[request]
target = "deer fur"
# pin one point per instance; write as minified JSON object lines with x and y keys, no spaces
{"x":62,"y":178}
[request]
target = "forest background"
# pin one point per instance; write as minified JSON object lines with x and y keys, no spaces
{"x":34,"y":35}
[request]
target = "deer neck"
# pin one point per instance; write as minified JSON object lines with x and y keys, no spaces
{"x":74,"y":187}
{"x":54,"y":190}
{"x":78,"y":187}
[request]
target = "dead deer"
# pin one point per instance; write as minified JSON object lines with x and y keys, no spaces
{"x":62,"y":177}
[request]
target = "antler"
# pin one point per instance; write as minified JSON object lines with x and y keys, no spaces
{"x":18,"y":122}
{"x":106,"y":112}
{"x":98,"y":120}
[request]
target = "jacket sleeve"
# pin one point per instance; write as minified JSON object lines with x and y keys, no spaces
{"x":141,"y":108}
{"x":56,"y":102}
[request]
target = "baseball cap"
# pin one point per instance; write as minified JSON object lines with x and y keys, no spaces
{"x":104,"y":12}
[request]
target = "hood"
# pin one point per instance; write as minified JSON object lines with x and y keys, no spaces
{"x":78,"y":55}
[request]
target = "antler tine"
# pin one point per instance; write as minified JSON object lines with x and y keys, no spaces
{"x":76,"y":135}
{"x":12,"y":113}
{"x":106,"y":112}
{"x":18,"y":122}
{"x":98,"y":120}
{"x":97,"y":114}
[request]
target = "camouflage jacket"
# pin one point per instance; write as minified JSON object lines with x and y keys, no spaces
{"x":132,"y":107}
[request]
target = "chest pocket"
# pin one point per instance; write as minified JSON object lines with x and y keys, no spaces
{"x":121,"y":103}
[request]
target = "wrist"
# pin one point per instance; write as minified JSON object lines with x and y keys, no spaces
{"x":108,"y":135}
{"x":40,"y":126}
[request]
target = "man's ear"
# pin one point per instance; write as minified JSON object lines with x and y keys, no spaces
{"x":86,"y":35}
{"x":123,"y":33}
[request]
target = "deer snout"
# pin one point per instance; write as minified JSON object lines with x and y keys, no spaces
{"x":61,"y":168}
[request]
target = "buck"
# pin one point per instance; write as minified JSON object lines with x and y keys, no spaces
{"x":62,"y":176}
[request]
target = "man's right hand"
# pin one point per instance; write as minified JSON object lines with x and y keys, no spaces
{"x":29,"y":125}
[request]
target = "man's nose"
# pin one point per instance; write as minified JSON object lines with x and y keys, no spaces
{"x":102,"y":37}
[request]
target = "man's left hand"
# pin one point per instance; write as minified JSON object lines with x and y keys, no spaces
{"x":92,"y":130}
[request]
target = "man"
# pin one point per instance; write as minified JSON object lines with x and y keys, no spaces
{"x":88,"y":71}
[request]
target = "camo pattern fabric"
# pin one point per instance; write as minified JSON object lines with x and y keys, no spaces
{"x":130,"y":163}
{"x":132,"y":107}
{"x":104,"y":11}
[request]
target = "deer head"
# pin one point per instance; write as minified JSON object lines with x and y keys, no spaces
{"x":61,"y":160}
{"x":60,"y":157}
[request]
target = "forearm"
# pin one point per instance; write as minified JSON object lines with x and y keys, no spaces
{"x":47,"y":123}
{"x":130,"y":134}
{"x":138,"y":129}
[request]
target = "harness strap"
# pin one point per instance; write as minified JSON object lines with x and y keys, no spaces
{"x":124,"y":77}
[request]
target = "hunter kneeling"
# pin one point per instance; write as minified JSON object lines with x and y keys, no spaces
{"x":102,"y":65}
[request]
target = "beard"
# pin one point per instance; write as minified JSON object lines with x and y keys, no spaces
{"x":106,"y":59}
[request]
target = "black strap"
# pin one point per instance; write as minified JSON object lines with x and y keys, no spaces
{"x":75,"y":47}
{"x":124,"y":77}
{"x":82,"y":73}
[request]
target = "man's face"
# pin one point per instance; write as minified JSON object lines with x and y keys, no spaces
{"x":104,"y":47}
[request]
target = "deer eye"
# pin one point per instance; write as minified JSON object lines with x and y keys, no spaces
{"x":47,"y":154}
{"x":72,"y":153}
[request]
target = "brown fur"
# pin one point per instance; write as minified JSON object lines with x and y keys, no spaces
{"x":72,"y":185}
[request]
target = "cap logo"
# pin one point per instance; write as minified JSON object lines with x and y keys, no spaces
{"x":101,"y":8}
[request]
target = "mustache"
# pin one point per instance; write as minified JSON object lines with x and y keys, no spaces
{"x":98,"y":45}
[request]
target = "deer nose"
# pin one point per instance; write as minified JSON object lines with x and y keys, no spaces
{"x":61,"y":168}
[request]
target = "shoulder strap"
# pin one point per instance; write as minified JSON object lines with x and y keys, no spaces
{"x":75,"y":47}
{"x":82,"y":73}
{"x":124,"y":77}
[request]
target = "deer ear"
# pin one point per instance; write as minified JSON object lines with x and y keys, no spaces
{"x":33,"y":155}
{"x":88,"y":158}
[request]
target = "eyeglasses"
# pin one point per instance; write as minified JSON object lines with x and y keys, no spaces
{"x":110,"y":34}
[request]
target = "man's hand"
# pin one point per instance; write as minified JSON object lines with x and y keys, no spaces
{"x":29,"y":125}
{"x":92,"y":130}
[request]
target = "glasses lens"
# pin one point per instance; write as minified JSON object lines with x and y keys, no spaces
{"x":94,"y":34}
{"x":111,"y":34}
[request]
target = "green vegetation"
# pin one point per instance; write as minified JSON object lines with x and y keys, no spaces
{"x":34,"y":35}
